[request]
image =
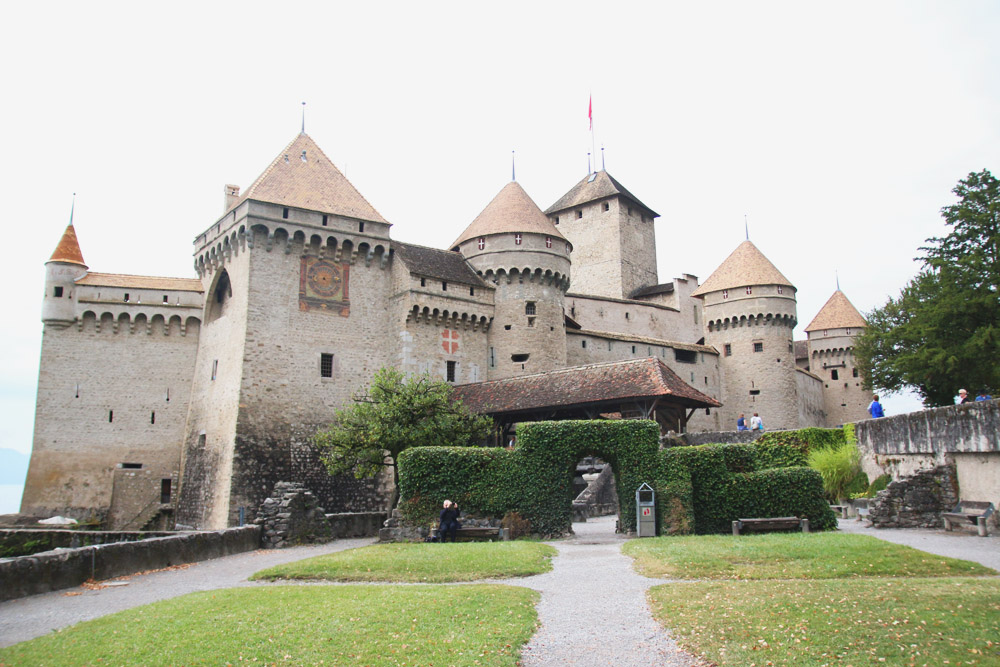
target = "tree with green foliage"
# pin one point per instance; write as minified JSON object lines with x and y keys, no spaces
{"x":943,"y":330}
{"x":396,"y":413}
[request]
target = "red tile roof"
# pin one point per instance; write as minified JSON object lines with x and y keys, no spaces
{"x":607,"y":383}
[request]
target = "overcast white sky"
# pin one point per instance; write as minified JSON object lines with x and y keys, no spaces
{"x":838,"y":129}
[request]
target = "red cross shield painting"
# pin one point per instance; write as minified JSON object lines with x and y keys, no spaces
{"x":449,"y":341}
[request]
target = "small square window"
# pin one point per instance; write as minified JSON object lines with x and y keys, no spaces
{"x":529,"y":308}
{"x":758,"y":347}
{"x":326,"y":365}
{"x":579,"y":214}
{"x":607,"y":206}
{"x":728,"y":350}
{"x":166,"y":299}
{"x":58,"y":291}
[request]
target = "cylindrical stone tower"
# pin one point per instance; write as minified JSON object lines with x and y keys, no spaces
{"x":749,"y":316}
{"x":61,"y":272}
{"x":514,"y":246}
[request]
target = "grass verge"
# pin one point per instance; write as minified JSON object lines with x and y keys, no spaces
{"x":835,"y":622}
{"x":303,"y":625}
{"x":825,"y":555}
{"x":421,"y":563}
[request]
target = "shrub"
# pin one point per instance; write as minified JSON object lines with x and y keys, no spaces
{"x":814,"y":438}
{"x":878,"y":484}
{"x":839,"y":467}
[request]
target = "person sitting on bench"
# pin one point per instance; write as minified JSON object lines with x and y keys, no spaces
{"x":448,"y":521}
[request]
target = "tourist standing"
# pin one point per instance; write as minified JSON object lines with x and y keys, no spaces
{"x":875,"y":408}
{"x":963,"y":397}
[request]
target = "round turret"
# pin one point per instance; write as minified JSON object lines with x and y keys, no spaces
{"x":750,"y":313}
{"x":62,"y":271}
{"x":515,"y":247}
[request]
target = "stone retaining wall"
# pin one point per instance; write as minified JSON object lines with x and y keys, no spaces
{"x":55,"y":570}
{"x":45,"y":539}
{"x":917,"y":501}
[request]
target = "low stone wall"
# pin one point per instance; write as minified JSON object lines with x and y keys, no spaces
{"x":716,"y":438}
{"x":917,"y":501}
{"x":55,"y":570}
{"x":356,"y":524}
{"x":35,"y":540}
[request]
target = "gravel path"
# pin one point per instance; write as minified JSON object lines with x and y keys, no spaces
{"x":593,"y":609}
{"x":27,"y":618}
{"x":960,"y":543}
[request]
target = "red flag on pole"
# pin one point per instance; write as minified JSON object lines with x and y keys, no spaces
{"x":590,"y":112}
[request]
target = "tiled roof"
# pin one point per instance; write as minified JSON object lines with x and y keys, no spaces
{"x":648,"y":341}
{"x":512,"y":210}
{"x":745,"y":266}
{"x":594,"y":187}
{"x":801,"y":349}
{"x":141,"y":282}
{"x":445,"y":265}
{"x":837,"y":313}
{"x":68,"y":249}
{"x":596,"y":383}
{"x":314,"y":183}
{"x":652,"y":290}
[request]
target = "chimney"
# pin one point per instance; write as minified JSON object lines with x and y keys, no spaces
{"x":232,"y":196}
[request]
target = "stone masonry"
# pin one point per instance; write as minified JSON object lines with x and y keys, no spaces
{"x":291,"y":516}
{"x":917,"y":501}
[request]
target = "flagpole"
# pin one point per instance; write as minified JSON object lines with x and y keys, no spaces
{"x":590,"y":113}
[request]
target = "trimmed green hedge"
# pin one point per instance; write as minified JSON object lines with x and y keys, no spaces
{"x":535,"y":479}
{"x":814,"y":438}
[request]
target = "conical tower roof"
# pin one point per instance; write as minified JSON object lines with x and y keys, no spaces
{"x":302,"y":176}
{"x":745,"y":266}
{"x":837,"y":313}
{"x":68,"y":250}
{"x":512,"y":210}
{"x":595,"y":186}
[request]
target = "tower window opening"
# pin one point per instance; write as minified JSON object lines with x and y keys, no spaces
{"x":749,"y":290}
{"x":164,"y":491}
{"x":152,"y":417}
{"x":692,"y":377}
{"x":111,"y":416}
{"x":706,"y":380}
{"x":444,"y":286}
{"x":583,"y":344}
{"x":548,"y":244}
{"x":531,"y":321}
{"x":423,"y":282}
{"x":626,"y":314}
{"x":472,"y":291}
{"x":780,"y":289}
{"x":493,"y":358}
{"x":326,"y":365}
{"x":579,"y":214}
{"x":607,"y":206}
{"x":755,"y":392}
{"x":846,"y":385}
{"x":685,"y":356}
{"x":215,"y":368}
{"x":826,"y":332}
{"x":848,"y":332}
{"x":166,"y":298}
{"x":519,"y":358}
{"x":728,"y":350}
{"x":132,"y":466}
{"x":324,"y":220}
{"x":633,"y":349}
{"x":725,"y":294}
{"x":630,"y":210}
{"x":529,"y":308}
{"x":451,"y":370}
{"x":201,"y":439}
{"x":791,"y":347}
{"x":517,"y":239}
{"x":361,"y":226}
{"x":758,"y":347}
{"x":557,"y":219}
{"x":57,"y":292}
{"x":609,"y":346}
{"x":77,"y":391}
{"x":854,"y":372}
{"x":506,"y":327}
{"x":126,"y":297}
{"x":482,"y":243}
{"x":834,"y":375}
{"x":284,"y":213}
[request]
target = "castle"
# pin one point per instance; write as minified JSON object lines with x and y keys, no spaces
{"x":196,"y":396}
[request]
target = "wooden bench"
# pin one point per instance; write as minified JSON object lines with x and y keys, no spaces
{"x":970,"y":511}
{"x":773,"y":523}
{"x":840,"y":510}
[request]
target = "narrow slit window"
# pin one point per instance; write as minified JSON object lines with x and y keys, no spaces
{"x":165,"y":491}
{"x":126,"y":297}
{"x":324,"y":220}
{"x":361,"y":226}
{"x":111,"y":416}
{"x":166,"y":298}
{"x":215,"y":368}
{"x":284,"y":213}
{"x":152,"y":417}
{"x":451,"y":370}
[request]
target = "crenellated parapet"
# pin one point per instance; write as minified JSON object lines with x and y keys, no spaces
{"x":758,"y":320}
{"x":538,"y":276}
{"x":148,"y":323}
{"x":450,"y":319}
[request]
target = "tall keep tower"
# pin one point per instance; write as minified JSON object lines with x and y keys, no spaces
{"x":513,"y":245}
{"x":831,"y":356}
{"x":614,"y":244}
{"x":749,"y":317}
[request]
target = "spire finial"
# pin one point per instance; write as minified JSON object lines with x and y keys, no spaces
{"x":746,"y":226}
{"x":589,"y":171}
{"x":72,"y":207}
{"x":603,"y":168}
{"x":836,"y":274}
{"x":513,"y":174}
{"x":303,"y":118}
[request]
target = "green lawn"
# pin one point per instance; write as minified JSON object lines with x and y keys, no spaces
{"x":888,"y":621}
{"x":827,"y":555}
{"x":422,"y":563}
{"x":302,"y":625}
